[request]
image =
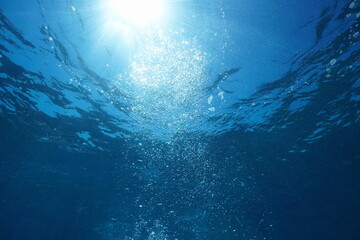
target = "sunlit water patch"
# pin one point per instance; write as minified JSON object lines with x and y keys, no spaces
{"x":165,"y":83}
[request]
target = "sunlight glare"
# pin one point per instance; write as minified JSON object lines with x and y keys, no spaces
{"x":136,"y":12}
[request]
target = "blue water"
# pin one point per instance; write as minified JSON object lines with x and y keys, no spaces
{"x":223,"y":120}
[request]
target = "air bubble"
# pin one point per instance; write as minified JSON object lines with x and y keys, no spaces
{"x":210,"y":98}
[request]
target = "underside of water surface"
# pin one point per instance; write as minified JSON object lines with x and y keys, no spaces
{"x":179,"y":120}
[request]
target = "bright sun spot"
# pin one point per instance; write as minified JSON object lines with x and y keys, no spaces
{"x":138,"y":13}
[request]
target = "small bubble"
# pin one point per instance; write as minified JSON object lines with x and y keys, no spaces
{"x":210,"y":98}
{"x":221,"y":95}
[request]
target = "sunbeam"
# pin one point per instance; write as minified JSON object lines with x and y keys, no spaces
{"x":135,"y":13}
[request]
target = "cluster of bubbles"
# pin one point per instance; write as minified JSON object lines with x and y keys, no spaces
{"x":165,"y":81}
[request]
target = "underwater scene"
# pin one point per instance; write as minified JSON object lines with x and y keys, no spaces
{"x":179,"y":120}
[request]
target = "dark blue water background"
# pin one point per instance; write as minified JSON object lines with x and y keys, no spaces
{"x":228,"y":120}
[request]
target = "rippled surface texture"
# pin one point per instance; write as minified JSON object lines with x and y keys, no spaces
{"x":179,"y":120}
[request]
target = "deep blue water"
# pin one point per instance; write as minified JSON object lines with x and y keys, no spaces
{"x":223,"y":120}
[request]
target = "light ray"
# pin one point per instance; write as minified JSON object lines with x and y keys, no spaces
{"x":136,"y":13}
